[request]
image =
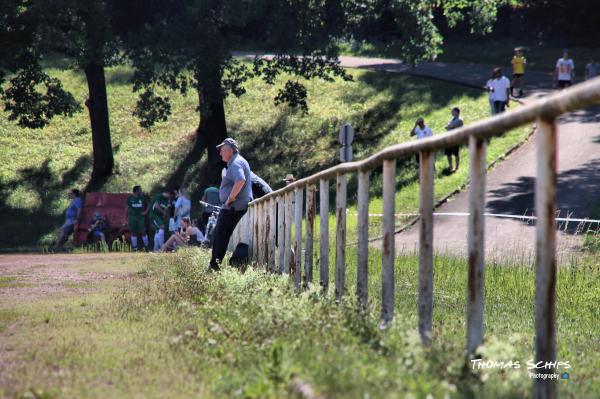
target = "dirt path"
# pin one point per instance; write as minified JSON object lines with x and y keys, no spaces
{"x":27,"y":279}
{"x":24,"y":278}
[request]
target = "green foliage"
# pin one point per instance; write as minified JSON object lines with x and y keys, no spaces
{"x":199,"y":56}
{"x":31,"y":108}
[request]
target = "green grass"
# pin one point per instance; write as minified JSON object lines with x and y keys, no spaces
{"x":38,"y":166}
{"x":592,"y":236}
{"x":175,"y":331}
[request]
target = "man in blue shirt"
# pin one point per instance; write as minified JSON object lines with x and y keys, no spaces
{"x":72,"y":216}
{"x":235,"y":193}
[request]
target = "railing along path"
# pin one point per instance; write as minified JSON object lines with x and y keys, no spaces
{"x":267,"y":227}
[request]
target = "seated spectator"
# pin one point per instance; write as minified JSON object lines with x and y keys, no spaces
{"x":98,"y":229}
{"x":189,"y":234}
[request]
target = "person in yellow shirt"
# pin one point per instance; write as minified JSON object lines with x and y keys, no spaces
{"x":518,"y":64}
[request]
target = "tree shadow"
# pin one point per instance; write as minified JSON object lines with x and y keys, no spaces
{"x":21,"y":226}
{"x":577,"y":191}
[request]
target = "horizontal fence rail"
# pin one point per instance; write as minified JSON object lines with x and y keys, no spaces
{"x":273,"y":226}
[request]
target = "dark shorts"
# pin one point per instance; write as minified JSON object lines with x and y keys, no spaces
{"x":451,"y":151}
{"x":517,"y":75}
{"x":137,"y":225}
{"x":564,"y":83}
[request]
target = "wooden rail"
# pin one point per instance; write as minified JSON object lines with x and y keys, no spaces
{"x":267,"y":227}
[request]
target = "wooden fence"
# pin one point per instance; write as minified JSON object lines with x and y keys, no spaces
{"x":270,"y":236}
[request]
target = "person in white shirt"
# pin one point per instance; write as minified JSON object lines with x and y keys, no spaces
{"x":489,"y":89}
{"x":500,"y":90}
{"x":183,"y":206}
{"x":564,"y":72}
{"x":421,"y":131}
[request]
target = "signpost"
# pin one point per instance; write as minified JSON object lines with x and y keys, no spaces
{"x":346,"y":137}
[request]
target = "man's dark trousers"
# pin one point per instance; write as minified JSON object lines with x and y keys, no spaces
{"x":228,"y":219}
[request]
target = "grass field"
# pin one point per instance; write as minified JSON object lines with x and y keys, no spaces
{"x":38,"y":166}
{"x":170,"y":330}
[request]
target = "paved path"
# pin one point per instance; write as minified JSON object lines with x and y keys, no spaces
{"x":510,"y":186}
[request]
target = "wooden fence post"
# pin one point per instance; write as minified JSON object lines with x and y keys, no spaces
{"x":545,"y":268}
{"x":476,"y":244}
{"x":426,"y":167}
{"x":288,"y":232}
{"x":389,"y":254}
{"x":340,"y":236}
{"x":324,"y":234}
{"x":259,"y":231}
{"x":272,"y":232}
{"x":362,"y":278}
{"x":299,"y":192}
{"x":251,"y":238}
{"x":310,"y":223}
{"x":281,"y":233}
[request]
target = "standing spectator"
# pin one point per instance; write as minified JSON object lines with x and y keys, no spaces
{"x":500,"y":90}
{"x":260,"y":188}
{"x":591,"y":69}
{"x":488,"y":87}
{"x":421,"y":131}
{"x":183,"y":207}
{"x":235,"y":193}
{"x":518,"y":64}
{"x":72,"y":216}
{"x":454,"y":123}
{"x":137,"y":208}
{"x":159,"y":215}
{"x":564,"y":73}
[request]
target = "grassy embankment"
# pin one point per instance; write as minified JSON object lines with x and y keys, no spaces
{"x":172,"y":331}
{"x":38,"y":166}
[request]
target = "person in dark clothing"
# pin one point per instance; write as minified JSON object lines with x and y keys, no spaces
{"x":235,"y":193}
{"x":260,"y":187}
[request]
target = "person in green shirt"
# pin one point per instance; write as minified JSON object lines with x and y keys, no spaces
{"x":137,"y":208}
{"x":159,"y":212}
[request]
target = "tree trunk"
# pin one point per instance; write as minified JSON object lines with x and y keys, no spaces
{"x":98,"y":107}
{"x":212,"y":130}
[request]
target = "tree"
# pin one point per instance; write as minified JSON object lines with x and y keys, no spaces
{"x":188,"y":44}
{"x":32,"y":97}
{"x":81,"y":31}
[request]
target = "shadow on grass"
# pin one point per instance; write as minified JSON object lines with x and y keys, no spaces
{"x":25,"y":226}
